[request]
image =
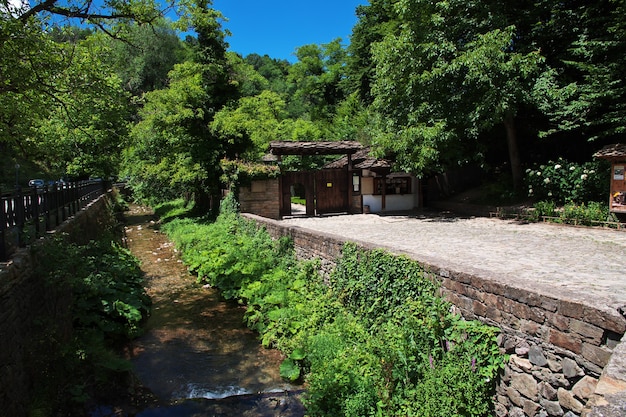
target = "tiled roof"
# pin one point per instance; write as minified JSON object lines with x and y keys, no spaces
{"x":314,"y":148}
{"x":614,"y":151}
{"x":362,"y":160}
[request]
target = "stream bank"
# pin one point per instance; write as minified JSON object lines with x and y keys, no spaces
{"x":196,"y":357}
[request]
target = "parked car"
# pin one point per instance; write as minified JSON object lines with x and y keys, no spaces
{"x":36,"y":183}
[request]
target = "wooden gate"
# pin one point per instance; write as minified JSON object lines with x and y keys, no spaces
{"x":331,"y":191}
{"x":291,"y":178}
{"x":326,"y":191}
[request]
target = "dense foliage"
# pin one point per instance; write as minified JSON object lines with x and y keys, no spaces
{"x":377,"y":341}
{"x":434,"y":85}
{"x":563,"y":182}
{"x":108,"y":306}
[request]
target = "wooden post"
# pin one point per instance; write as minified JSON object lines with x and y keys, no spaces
{"x":3,"y":226}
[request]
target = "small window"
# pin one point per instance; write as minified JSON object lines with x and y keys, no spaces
{"x":356,"y":183}
{"x":394,"y":185}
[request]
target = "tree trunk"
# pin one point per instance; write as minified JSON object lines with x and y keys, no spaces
{"x":514,"y":159}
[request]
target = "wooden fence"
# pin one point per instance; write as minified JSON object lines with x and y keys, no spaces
{"x":27,"y":214}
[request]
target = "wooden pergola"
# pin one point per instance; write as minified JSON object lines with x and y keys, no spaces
{"x":328,"y":190}
{"x":314,"y":148}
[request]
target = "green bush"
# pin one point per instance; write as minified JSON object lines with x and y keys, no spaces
{"x":542,"y":209}
{"x":106,"y":283}
{"x":108,"y":306}
{"x":585,"y":214}
{"x":567,"y":182}
{"x":590,"y":214}
{"x":377,"y":341}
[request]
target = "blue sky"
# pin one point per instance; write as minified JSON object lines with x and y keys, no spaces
{"x":278,"y":27}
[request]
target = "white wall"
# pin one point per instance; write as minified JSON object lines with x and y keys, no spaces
{"x":393,"y":202}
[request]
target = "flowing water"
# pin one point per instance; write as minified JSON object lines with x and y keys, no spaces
{"x":196,"y":349}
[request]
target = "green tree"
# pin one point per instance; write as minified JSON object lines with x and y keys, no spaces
{"x":60,"y":104}
{"x":161,"y":160}
{"x":60,"y":107}
{"x":318,"y":77}
{"x":451,"y":71}
{"x":173,"y":150}
{"x":256,"y":119}
{"x":374,"y":22}
{"x":31,"y":61}
{"x":586,"y":94}
{"x":249,"y":81}
{"x":146,"y":56}
{"x":85,"y":130}
{"x":273,"y":70}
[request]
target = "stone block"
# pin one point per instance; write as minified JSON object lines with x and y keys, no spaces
{"x":479,"y":308}
{"x":531,"y":328}
{"x":585,"y":388}
{"x":536,"y":356}
{"x":592,"y":334}
{"x":525,"y":384}
{"x":558,"y":321}
{"x":607,"y":385}
{"x":514,"y":396}
{"x":598,"y":355}
{"x":501,"y":410}
{"x":553,"y":408}
{"x":567,"y":401}
{"x":571,"y":368}
{"x":523,"y":364}
{"x":522,"y":348}
{"x":547,"y":391}
{"x":609,"y":320}
{"x":570,"y":308}
{"x":516,"y":412}
{"x":531,"y":408}
{"x":566,"y":341}
{"x":614,"y":407}
{"x":554,"y":364}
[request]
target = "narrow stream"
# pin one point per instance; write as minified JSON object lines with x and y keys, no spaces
{"x":197,"y":356}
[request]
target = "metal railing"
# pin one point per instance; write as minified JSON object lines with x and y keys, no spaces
{"x":27,"y":214}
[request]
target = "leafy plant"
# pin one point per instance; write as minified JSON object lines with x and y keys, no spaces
{"x":542,"y":209}
{"x":108,"y":306}
{"x":567,"y":182}
{"x":377,"y":341}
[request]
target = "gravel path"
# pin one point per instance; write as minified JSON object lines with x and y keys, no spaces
{"x":583,"y":264}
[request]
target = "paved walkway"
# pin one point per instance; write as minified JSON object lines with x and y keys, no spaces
{"x":582,"y":264}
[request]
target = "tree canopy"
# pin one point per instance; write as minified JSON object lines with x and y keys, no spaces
{"x":434,"y":84}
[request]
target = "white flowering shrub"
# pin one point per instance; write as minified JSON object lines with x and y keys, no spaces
{"x":568,"y":182}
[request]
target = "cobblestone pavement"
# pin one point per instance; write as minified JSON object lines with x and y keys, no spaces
{"x":578,"y":263}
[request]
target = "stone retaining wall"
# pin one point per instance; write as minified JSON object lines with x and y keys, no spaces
{"x":261,"y":197}
{"x":566,"y":358}
{"x":32,"y":312}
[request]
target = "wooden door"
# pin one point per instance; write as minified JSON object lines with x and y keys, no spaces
{"x":331,"y":191}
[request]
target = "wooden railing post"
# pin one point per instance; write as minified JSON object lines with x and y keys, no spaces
{"x":3,"y":227}
{"x":20,"y":207}
{"x":35,"y":210}
{"x":19,"y":214}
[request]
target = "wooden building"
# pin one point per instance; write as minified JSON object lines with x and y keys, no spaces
{"x":354,"y":183}
{"x":381,"y":190}
{"x":616,"y":154}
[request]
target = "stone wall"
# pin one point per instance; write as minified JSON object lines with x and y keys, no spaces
{"x":261,"y":197}
{"x":565,"y":358}
{"x":33,"y":312}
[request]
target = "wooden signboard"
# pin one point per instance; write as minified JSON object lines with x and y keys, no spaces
{"x":616,"y":154}
{"x":618,"y":187}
